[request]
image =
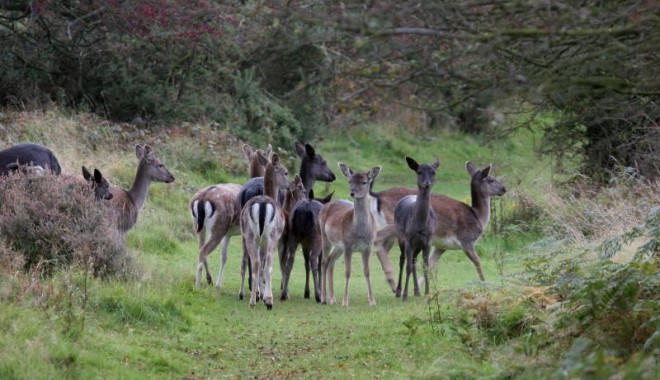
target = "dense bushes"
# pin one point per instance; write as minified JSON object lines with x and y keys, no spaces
{"x":46,"y":223}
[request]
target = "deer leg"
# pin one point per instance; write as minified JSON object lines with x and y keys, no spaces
{"x":472,"y":254}
{"x":221,"y":274}
{"x":402,"y":261}
{"x":410,"y":265}
{"x":283,"y":255}
{"x":314,"y":263}
{"x":204,"y":251}
{"x":384,"y":242}
{"x":254,"y":264}
{"x":365,"y":263}
{"x":425,"y":268}
{"x":347,"y":260}
{"x":433,"y":260}
{"x":414,"y":272}
{"x":330,"y":270}
{"x":244,"y":263}
{"x":306,"y":256}
{"x":268,"y":272}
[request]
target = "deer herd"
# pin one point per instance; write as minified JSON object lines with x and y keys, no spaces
{"x":274,"y":212}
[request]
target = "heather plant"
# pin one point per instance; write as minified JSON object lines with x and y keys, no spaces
{"x":46,"y":224}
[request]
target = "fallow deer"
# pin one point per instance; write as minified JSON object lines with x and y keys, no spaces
{"x":347,"y":227}
{"x":415,"y":222}
{"x":216,"y":215}
{"x":262,"y":224}
{"x":459,"y":225}
{"x":126,"y":204}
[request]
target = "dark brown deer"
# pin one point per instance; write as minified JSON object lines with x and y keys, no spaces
{"x":28,"y":155}
{"x":216,"y":216}
{"x":415,"y":223}
{"x":126,"y":204}
{"x":262,"y":224}
{"x":459,"y":225}
{"x":347,"y":227}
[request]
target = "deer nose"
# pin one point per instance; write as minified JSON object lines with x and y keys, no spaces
{"x":352,"y":194}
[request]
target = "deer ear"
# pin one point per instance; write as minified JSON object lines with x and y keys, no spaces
{"x":346,"y":170}
{"x":309,"y":150}
{"x":297,"y":180}
{"x":436,"y":164}
{"x":327,"y":198}
{"x":248,"y":151}
{"x":300,"y":149}
{"x":412,"y":163}
{"x":86,"y":174}
{"x":263,"y":160}
{"x":98,"y":177}
{"x":275,"y":159}
{"x":470,"y":168}
{"x":373,"y":173}
{"x":485,"y":172}
{"x":139,"y":151}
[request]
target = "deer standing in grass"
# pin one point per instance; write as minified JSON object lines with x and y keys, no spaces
{"x":313,"y":167}
{"x":262,"y":224}
{"x":216,"y":215}
{"x":415,"y":223}
{"x":459,"y":225}
{"x":347,"y":227}
{"x":126,"y":204}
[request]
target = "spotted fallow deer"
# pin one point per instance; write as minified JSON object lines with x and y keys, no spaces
{"x":262,"y":224}
{"x":126,"y":204}
{"x":415,"y":222}
{"x":347,"y":227}
{"x":216,"y":215}
{"x":459,"y":225}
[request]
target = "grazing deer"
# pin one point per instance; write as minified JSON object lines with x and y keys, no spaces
{"x":347,"y":227}
{"x":262,"y":224}
{"x":216,"y":215}
{"x":98,"y":184}
{"x":126,"y":204}
{"x":459,"y":225}
{"x":415,"y":222}
{"x":30,"y":154}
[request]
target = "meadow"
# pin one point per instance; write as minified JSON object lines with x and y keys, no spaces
{"x":156,"y":324}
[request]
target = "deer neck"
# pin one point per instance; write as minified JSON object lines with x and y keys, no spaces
{"x":481,"y":207}
{"x":306,"y":177}
{"x":422,"y":205}
{"x":270,"y":183}
{"x":140,"y":188}
{"x":361,"y":213}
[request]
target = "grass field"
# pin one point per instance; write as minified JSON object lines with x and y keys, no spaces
{"x":158,"y":325}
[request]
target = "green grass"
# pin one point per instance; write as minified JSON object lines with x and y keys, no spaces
{"x":157,"y":325}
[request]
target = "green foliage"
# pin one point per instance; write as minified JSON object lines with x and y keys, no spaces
{"x":264,"y":121}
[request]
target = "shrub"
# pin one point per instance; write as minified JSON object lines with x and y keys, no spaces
{"x":48,"y":223}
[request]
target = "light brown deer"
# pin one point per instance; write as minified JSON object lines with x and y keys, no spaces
{"x":459,"y":225}
{"x":347,"y":227}
{"x":216,"y":215}
{"x":126,"y":204}
{"x":262,"y":224}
